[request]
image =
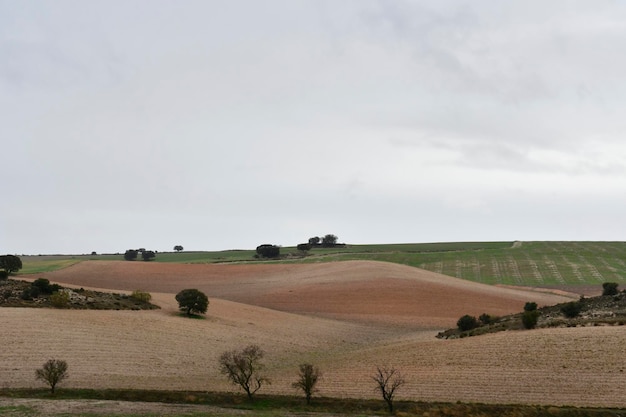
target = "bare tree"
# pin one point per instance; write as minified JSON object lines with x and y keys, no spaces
{"x":243,"y":368}
{"x":388,"y":380}
{"x":307,"y":379}
{"x":53,"y":372}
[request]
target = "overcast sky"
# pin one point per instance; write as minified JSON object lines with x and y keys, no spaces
{"x":227,"y":124}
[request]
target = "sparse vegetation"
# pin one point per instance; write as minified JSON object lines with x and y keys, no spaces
{"x":244,"y":368}
{"x":141,"y":296}
{"x":52,"y":373}
{"x":17,"y":293}
{"x":60,"y":299}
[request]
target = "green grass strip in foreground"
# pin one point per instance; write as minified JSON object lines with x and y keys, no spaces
{"x":275,"y":405}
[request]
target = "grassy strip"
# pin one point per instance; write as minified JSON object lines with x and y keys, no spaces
{"x":291,"y":404}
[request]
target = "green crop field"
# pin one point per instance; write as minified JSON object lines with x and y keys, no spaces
{"x":511,"y":263}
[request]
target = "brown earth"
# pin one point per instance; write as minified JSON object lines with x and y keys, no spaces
{"x":366,"y":292}
{"x":345,"y":317}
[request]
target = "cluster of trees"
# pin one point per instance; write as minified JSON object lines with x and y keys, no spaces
{"x":146,"y":255}
{"x":244,"y":368}
{"x":9,"y":264}
{"x":328,"y":241}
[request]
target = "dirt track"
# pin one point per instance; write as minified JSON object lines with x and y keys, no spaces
{"x":357,"y":315}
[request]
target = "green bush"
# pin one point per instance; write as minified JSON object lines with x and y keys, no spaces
{"x":4,"y":275}
{"x":467,"y":322}
{"x":530,"y":306}
{"x":609,"y":288}
{"x":572,"y":309}
{"x":486,"y":318}
{"x":530,"y":318}
{"x":60,"y":299}
{"x":141,"y":296}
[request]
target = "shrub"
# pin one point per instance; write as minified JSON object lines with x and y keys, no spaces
{"x":609,"y":288}
{"x":485,"y":318}
{"x":131,"y":254}
{"x":303,"y":247}
{"x":141,"y":296}
{"x":572,"y":309}
{"x":148,"y":255}
{"x":530,"y":318}
{"x":467,"y":322}
{"x":4,"y":275}
{"x":268,"y":251}
{"x":42,"y":284}
{"x":530,"y":306}
{"x":60,"y":299}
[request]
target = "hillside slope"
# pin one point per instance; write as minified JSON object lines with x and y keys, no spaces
{"x":362,"y":291}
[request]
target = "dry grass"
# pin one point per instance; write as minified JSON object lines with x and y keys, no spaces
{"x":345,"y":317}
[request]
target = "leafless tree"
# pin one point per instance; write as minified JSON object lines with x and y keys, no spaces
{"x":52,"y":372}
{"x":388,"y":380}
{"x":244,"y":367}
{"x":307,"y":379}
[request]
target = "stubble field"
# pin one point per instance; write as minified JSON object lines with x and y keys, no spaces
{"x":345,"y":317}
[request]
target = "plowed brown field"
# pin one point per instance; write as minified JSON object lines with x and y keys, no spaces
{"x":346,"y":317}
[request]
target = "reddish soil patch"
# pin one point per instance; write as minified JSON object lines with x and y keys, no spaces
{"x":373,"y":292}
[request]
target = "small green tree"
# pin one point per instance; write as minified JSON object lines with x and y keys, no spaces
{"x":131,"y":254}
{"x":530,"y":306}
{"x":304,"y":247}
{"x":609,"y":288}
{"x":178,"y":248}
{"x":10,"y":263}
{"x":148,"y":255}
{"x":268,"y":251}
{"x":244,"y":368}
{"x":530,"y":318}
{"x":329,"y":241}
{"x":307,"y":380}
{"x":52,"y":372}
{"x":192,"y":301}
{"x":485,"y":319}
{"x":467,"y":322}
{"x":388,"y":380}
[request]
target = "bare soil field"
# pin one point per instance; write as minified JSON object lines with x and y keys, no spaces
{"x":345,"y":317}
